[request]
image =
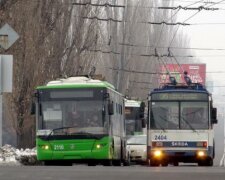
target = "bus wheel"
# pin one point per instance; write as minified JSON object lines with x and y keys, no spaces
{"x":67,"y":164}
{"x":48,"y":163}
{"x":117,"y":162}
{"x":127,"y":162}
{"x":91,"y":163}
{"x":175,"y":163}
{"x":108,"y":163}
{"x":153,"y":163}
{"x":164,"y":164}
{"x":207,"y":162}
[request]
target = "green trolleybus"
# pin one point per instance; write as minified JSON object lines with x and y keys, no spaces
{"x":80,"y":120}
{"x":180,"y":125}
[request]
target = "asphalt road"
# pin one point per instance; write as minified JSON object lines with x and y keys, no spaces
{"x":80,"y":172}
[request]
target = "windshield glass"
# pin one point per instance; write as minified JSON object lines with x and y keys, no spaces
{"x":132,"y":112}
{"x":165,"y":115}
{"x":194,"y":115}
{"x":133,"y":127}
{"x":79,"y":116}
{"x":133,"y":121}
{"x":139,"y":140}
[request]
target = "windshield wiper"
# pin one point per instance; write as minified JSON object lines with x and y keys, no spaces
{"x":192,"y":128}
{"x":74,"y":133}
{"x":61,"y":128}
{"x":66,"y":127}
{"x":159,"y":125}
{"x":85,"y":133}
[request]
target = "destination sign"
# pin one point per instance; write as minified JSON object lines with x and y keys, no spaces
{"x":71,"y":94}
{"x":180,"y":96}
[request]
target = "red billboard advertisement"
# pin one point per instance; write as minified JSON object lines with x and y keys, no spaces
{"x":197,"y":73}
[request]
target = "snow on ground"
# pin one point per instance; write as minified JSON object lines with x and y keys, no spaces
{"x":12,"y":156}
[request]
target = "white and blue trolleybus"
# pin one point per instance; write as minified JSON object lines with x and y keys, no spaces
{"x":180,"y":125}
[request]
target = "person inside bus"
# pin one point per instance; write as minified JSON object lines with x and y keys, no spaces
{"x":200,"y":118}
{"x":74,"y":118}
{"x":94,"y":121}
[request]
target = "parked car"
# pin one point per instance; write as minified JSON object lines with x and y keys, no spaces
{"x":136,"y":146}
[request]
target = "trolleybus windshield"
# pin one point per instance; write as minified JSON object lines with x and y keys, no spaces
{"x":179,"y":115}
{"x":73,"y":111}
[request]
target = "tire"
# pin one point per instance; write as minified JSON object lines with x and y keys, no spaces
{"x":57,"y":163}
{"x":107,"y":163}
{"x":91,"y":163}
{"x":127,"y":162}
{"x":154,"y":163}
{"x":207,"y":162}
{"x":175,"y":163}
{"x":67,"y":164}
{"x":164,"y":164}
{"x":48,"y":163}
{"x":117,"y":162}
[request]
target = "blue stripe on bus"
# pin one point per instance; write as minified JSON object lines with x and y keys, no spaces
{"x":189,"y":144}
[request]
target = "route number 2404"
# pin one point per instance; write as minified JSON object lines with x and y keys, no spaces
{"x":160,"y":137}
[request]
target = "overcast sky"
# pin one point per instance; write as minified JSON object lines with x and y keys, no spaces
{"x":206,"y":36}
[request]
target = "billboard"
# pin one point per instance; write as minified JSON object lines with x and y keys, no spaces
{"x":197,"y":73}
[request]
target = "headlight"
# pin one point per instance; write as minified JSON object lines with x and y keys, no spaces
{"x":201,"y":153}
{"x":45,"y":147}
{"x":157,"y":153}
{"x":98,"y":146}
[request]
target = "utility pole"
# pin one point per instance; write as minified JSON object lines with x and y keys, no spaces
{"x":120,"y":74}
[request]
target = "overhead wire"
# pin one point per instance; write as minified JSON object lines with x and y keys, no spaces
{"x":160,"y":59}
{"x":163,"y":23}
{"x":147,"y":7}
{"x":192,"y":17}
{"x":173,"y":47}
{"x":149,"y":22}
{"x":185,"y":22}
{"x":101,"y":5}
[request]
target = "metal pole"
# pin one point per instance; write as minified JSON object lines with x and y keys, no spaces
{"x":1,"y":120}
{"x":0,"y":101}
{"x":222,"y":161}
{"x":122,"y":59}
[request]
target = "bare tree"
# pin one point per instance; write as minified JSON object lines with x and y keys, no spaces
{"x":53,"y":38}
{"x":58,"y":38}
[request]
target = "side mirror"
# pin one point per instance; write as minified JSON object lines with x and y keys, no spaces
{"x":214,"y":116}
{"x":110,"y":108}
{"x":33,"y":109}
{"x":142,"y":110}
{"x":103,"y":111}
